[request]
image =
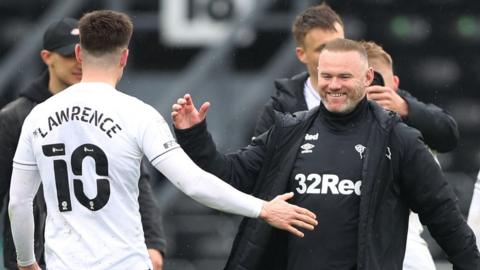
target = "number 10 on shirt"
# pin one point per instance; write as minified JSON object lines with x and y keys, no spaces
{"x":61,"y":175}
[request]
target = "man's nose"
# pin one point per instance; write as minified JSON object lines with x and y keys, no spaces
{"x":335,"y":83}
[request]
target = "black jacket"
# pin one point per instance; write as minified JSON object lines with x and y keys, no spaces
{"x":438,"y":128}
{"x":11,"y":121}
{"x":407,"y":177}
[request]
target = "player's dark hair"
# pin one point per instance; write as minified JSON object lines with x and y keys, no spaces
{"x":103,"y":31}
{"x":320,"y":16}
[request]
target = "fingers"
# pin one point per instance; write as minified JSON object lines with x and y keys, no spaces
{"x":285,"y":196}
{"x":305,"y":211}
{"x":204,"y":109}
{"x":295,"y":231}
{"x":176,"y":107}
{"x":301,"y":224}
{"x":307,"y":220}
{"x":188,"y":100}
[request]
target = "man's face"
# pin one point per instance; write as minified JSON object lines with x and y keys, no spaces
{"x":314,"y":39}
{"x":64,"y":69}
{"x":386,"y":71}
{"x":342,"y":78}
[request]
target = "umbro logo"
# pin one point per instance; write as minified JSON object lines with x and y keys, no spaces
{"x":313,"y":137}
{"x":307,"y":148}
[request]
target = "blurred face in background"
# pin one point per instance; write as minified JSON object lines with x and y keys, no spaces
{"x":314,"y":39}
{"x":64,"y":70}
{"x":386,"y":71}
{"x":342,"y":78}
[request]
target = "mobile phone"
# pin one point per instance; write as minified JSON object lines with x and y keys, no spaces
{"x":377,"y":79}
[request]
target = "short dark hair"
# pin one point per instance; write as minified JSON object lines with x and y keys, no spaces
{"x":319,"y":16}
{"x":345,"y":45}
{"x":103,"y":31}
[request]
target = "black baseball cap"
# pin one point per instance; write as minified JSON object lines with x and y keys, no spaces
{"x":61,"y":37}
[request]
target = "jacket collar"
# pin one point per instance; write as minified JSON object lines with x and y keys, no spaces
{"x":38,"y":91}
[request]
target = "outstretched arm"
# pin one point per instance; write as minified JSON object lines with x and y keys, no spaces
{"x":213,"y":192}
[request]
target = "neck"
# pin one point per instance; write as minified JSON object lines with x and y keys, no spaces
{"x":55,"y":85}
{"x":314,"y":82}
{"x":108,"y":76}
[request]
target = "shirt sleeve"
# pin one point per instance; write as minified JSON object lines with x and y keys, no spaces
{"x":161,"y":149}
{"x":204,"y":187}
{"x":155,"y":136}
{"x":24,"y":157}
{"x":23,"y":188}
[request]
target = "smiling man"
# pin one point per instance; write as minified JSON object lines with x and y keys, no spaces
{"x":355,"y":165}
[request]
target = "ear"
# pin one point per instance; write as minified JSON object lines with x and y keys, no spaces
{"x":124,"y":58}
{"x":396,"y":82}
{"x":46,"y":56}
{"x":369,"y":77}
{"x":78,"y":53}
{"x":300,"y":52}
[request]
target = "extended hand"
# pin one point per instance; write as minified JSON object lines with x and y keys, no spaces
{"x":388,"y":99}
{"x":156,"y":258}
{"x":285,"y":216}
{"x":184,"y":113}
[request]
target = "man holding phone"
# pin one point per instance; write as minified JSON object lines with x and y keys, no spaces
{"x":438,"y":128}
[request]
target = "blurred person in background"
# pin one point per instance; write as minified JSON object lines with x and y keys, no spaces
{"x":439,"y":129}
{"x":90,"y":138}
{"x":311,"y":29}
{"x":63,"y":70}
{"x":356,"y":165}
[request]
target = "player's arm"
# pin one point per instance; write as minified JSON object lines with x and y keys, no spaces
{"x":213,"y":192}
{"x":438,"y":127}
{"x":24,"y":186}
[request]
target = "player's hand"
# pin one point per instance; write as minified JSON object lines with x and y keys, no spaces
{"x":388,"y":99}
{"x":33,"y":266}
{"x":289,"y":217}
{"x":157,"y":258}
{"x":185,"y":115}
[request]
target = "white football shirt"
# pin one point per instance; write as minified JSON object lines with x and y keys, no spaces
{"x":87,"y":143}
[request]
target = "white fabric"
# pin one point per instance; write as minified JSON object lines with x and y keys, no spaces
{"x":312,"y":98}
{"x":82,"y":119}
{"x":23,"y":187}
{"x":474,"y":211}
{"x":417,"y":254}
{"x":205,"y":187}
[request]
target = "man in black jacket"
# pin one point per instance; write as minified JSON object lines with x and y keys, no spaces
{"x":63,"y":70}
{"x":311,"y":29}
{"x":359,"y":167}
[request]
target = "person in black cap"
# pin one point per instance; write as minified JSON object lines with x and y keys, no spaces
{"x":63,"y":70}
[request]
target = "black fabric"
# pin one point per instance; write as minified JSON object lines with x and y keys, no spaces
{"x":398,"y":174}
{"x":12,"y":117}
{"x":439,"y":129}
{"x":326,"y":179}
